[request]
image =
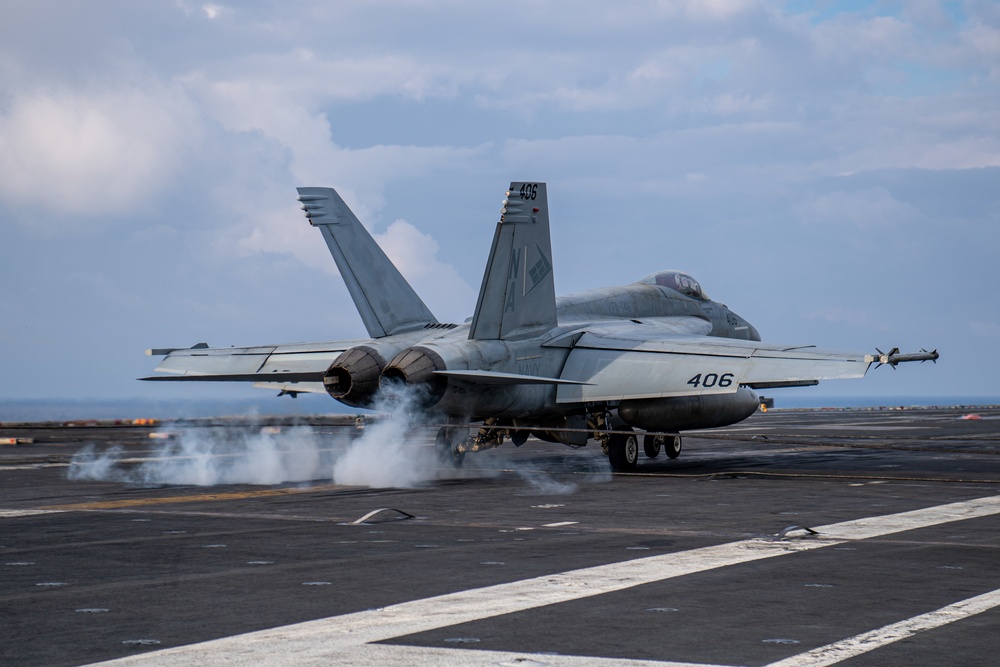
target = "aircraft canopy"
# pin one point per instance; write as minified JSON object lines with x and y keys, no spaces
{"x":677,"y":281}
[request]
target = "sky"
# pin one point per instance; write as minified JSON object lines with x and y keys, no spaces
{"x":829,"y":170}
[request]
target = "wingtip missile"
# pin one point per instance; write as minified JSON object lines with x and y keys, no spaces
{"x":894,"y":357}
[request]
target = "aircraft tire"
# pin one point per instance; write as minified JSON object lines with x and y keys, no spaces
{"x":623,"y":452}
{"x":651,"y":445}
{"x":446,"y":446}
{"x":672,"y":446}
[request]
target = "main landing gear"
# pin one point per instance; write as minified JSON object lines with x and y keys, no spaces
{"x":623,"y":448}
{"x":623,"y":451}
{"x":621,"y":444}
{"x":446,"y":444}
{"x":671,"y":445}
{"x":453,"y":443}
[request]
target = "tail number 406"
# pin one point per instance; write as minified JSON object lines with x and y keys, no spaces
{"x":528,"y":190}
{"x":709,"y":380}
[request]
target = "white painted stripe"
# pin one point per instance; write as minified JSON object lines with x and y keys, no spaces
{"x":34,"y":466}
{"x":387,"y":655}
{"x":869,"y":641}
{"x":330,"y":639}
{"x":560,"y":524}
{"x":8,"y":514}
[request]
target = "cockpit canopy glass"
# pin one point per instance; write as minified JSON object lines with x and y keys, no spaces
{"x":679,"y":282}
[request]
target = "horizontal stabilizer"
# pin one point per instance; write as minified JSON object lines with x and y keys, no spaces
{"x":164,"y":351}
{"x":489,"y":377}
{"x":299,"y":362}
{"x":239,"y":377}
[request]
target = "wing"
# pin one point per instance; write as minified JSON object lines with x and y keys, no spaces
{"x":624,"y":361}
{"x":304,"y":362}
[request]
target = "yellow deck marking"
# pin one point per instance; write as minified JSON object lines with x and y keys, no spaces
{"x":201,"y":497}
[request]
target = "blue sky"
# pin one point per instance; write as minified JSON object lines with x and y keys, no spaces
{"x":829,"y":170}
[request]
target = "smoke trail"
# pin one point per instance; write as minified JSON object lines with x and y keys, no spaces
{"x":203,"y":457}
{"x":88,"y":464}
{"x":381,"y":457}
{"x":545,"y":484}
{"x":385,"y":455}
{"x":586,"y":467}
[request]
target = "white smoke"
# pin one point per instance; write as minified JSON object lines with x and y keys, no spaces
{"x":393,"y":451}
{"x":544,"y":484}
{"x":388,"y":455}
{"x":385,"y":455}
{"x":586,"y":467}
{"x":88,"y":464}
{"x":205,"y":457}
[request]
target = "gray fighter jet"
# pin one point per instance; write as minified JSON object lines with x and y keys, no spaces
{"x":657,"y":355}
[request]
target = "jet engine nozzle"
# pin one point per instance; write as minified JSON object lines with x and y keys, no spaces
{"x":354,"y":375}
{"x":414,"y":367}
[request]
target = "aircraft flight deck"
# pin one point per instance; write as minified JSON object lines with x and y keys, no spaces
{"x":797,"y":537}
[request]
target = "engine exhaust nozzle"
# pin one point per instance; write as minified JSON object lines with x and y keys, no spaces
{"x":353,"y":377}
{"x":414,"y":367}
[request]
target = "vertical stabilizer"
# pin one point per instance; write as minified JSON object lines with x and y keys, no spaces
{"x":386,"y":302}
{"x":518,"y":296}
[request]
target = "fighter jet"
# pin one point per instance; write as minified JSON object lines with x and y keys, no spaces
{"x":657,"y":355}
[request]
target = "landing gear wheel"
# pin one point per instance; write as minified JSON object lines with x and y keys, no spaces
{"x":623,"y":451}
{"x":446,"y":446}
{"x":519,"y":437}
{"x":651,"y":445}
{"x":672,"y":446}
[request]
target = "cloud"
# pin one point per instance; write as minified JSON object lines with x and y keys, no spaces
{"x":441,"y":287}
{"x":414,"y":253}
{"x":92,"y":153}
{"x":739,"y":140}
{"x":865,"y":210}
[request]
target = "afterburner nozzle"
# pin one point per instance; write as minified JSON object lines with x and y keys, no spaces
{"x":354,"y":375}
{"x":414,"y":367}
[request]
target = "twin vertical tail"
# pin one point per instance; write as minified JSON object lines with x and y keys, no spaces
{"x":517,"y":298}
{"x":386,"y":302}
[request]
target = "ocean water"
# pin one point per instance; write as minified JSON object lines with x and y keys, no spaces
{"x":315,"y":404}
{"x":804,"y":401}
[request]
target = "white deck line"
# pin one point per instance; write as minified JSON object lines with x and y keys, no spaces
{"x":387,"y":655}
{"x":10,"y":514}
{"x":869,"y":641}
{"x":338,"y":639}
